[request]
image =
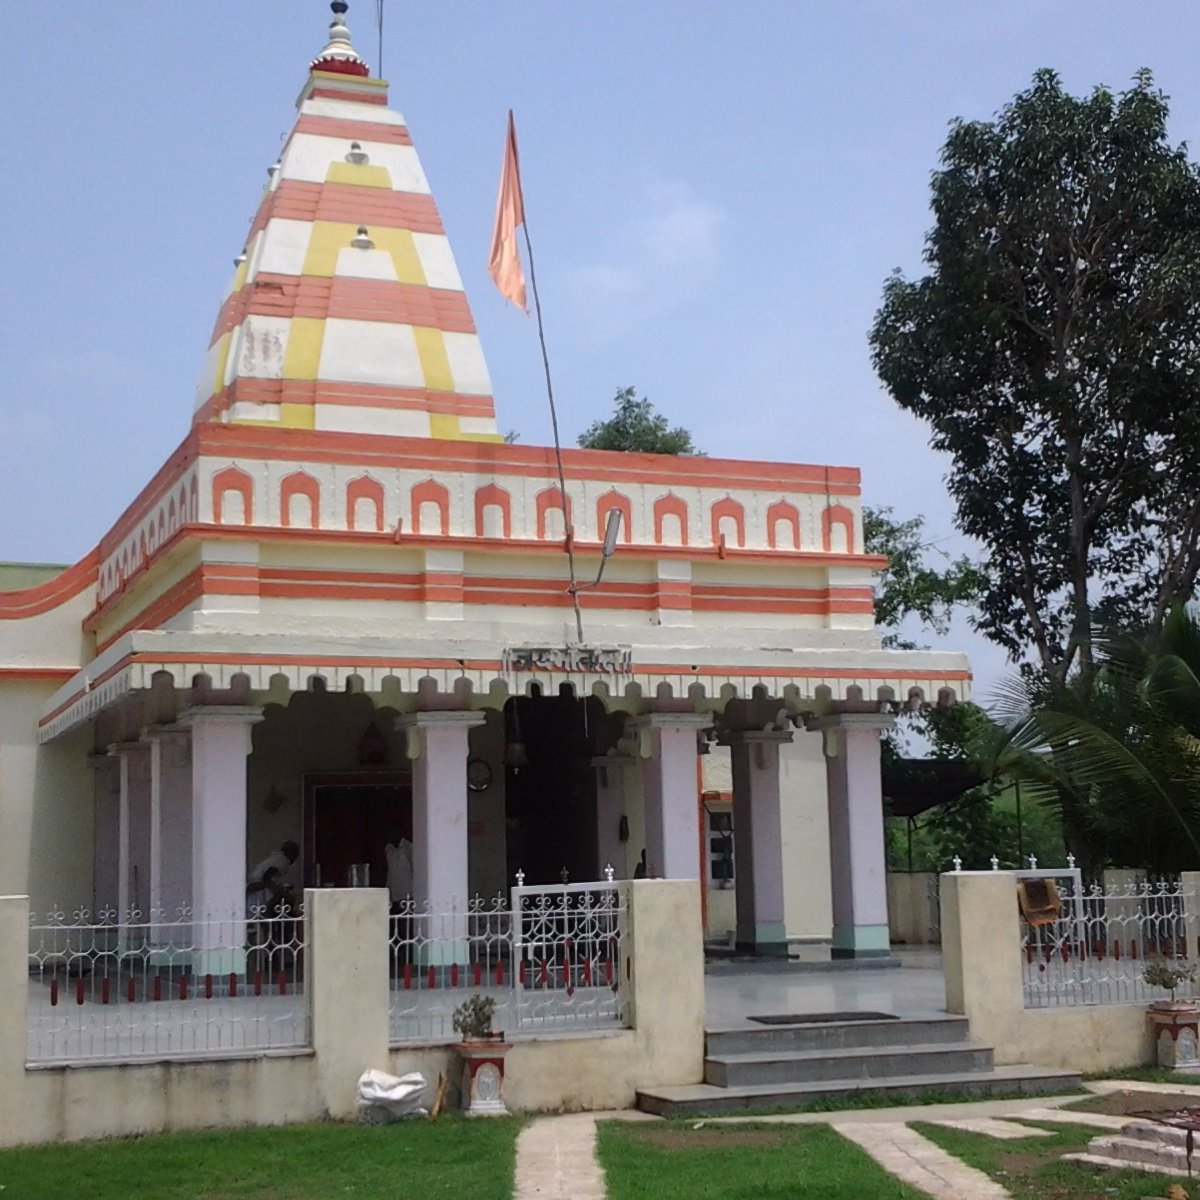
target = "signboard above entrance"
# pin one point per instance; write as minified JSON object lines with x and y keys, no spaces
{"x":586,"y":660}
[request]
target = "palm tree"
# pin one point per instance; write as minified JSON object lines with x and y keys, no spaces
{"x":1118,"y":756}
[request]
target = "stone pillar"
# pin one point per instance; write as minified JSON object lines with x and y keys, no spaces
{"x":220,"y":744}
{"x":610,"y":808}
{"x":758,"y":841}
{"x":346,"y":988}
{"x":106,"y":832}
{"x":438,"y":745}
{"x":133,"y":831}
{"x":670,"y":785}
{"x":170,"y":821}
{"x":858,"y":863}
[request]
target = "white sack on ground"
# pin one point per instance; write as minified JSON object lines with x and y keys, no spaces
{"x":383,"y":1098}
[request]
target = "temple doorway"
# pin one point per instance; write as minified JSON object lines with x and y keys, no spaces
{"x":550,"y":786}
{"x":349,"y":820}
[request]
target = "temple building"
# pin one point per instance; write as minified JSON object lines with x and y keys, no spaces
{"x":341,"y":609}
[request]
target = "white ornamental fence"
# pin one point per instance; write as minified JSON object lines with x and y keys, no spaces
{"x":549,"y":957}
{"x":153,"y":986}
{"x":1098,"y":948}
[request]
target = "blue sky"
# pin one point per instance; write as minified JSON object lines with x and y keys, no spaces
{"x":716,"y":191}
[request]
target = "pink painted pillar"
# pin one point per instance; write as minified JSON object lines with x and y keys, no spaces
{"x":856,"y":849}
{"x":438,"y":744}
{"x":170,"y":821}
{"x":758,"y":842}
{"x":670,"y":787}
{"x":133,"y":831}
{"x":220,"y":745}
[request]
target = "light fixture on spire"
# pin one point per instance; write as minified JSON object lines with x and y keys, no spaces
{"x":362,"y":239}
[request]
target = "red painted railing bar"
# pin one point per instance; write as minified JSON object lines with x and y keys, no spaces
{"x":454,"y":974}
{"x":54,"y":991}
{"x":183,"y":987}
{"x":130,"y":990}
{"x":79,"y":991}
{"x":500,"y":974}
{"x":158,"y":987}
{"x":407,"y":976}
{"x":431,"y":977}
{"x":208,"y":988}
{"x":233,"y":982}
{"x":477,"y":973}
{"x":258,"y":983}
{"x":104,"y":990}
{"x":283,"y":983}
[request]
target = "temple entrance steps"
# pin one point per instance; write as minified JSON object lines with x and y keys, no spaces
{"x":791,"y":1065}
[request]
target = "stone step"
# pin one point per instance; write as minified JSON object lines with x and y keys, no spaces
{"x":837,"y":1035}
{"x":856,"y":1063}
{"x":700,"y":1099}
{"x":1138,"y":1149}
{"x":1117,"y":1164}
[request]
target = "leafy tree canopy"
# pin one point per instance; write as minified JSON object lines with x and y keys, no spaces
{"x":908,"y":585}
{"x":1054,"y":350}
{"x":636,"y":425}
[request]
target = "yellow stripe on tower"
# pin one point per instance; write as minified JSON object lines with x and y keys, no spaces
{"x":435,"y":364}
{"x":360,"y":174}
{"x":330,"y":238}
{"x":305,"y":342}
{"x":445,"y":425}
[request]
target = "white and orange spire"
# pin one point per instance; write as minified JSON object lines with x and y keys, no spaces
{"x":347,"y":311}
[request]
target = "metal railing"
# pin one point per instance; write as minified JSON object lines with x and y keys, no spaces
{"x":149,"y":986}
{"x":550,"y":958}
{"x":1097,"y":950}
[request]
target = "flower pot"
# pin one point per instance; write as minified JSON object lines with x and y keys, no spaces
{"x":1176,"y":1033}
{"x":483,"y":1076}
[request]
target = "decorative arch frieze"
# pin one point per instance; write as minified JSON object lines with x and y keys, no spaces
{"x":547,"y":499}
{"x":834,"y":517}
{"x":364,"y":488}
{"x":610,"y":500}
{"x":236,"y":481}
{"x":725,"y":510}
{"x":667,"y":506}
{"x":491,"y":495}
{"x":429,"y":491}
{"x":782,"y":512}
{"x":299,"y":483}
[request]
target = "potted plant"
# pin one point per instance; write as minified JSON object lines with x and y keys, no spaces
{"x":482,"y":1052}
{"x":1176,"y":1022}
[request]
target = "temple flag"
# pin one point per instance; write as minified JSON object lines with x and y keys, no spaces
{"x":504,"y":262}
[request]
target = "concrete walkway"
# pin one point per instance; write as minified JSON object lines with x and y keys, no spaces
{"x":916,"y":1160}
{"x":556,"y":1156}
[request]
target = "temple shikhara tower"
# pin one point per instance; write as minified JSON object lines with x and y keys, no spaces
{"x":338,"y":615}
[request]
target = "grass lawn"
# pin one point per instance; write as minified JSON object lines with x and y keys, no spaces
{"x":1031,"y":1169}
{"x":673,"y":1161}
{"x":449,"y":1157}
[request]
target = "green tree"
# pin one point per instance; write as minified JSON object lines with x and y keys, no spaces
{"x":636,"y":425}
{"x":908,"y":585}
{"x":1054,"y":350}
{"x":1116,"y":753}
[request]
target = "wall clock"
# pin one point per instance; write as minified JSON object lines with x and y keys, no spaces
{"x":479,"y":775}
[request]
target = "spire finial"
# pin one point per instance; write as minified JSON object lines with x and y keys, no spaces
{"x":340,"y":55}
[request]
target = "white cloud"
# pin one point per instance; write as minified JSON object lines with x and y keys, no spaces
{"x":652,"y":264}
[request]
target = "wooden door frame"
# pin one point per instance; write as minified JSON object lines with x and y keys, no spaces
{"x":311,"y":780}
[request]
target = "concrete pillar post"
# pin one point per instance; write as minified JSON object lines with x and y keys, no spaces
{"x":1189,"y":883}
{"x":133,"y":831}
{"x":220,"y":745}
{"x":610,"y":808}
{"x":857,"y":859}
{"x":170,"y":821}
{"x":758,"y":841}
{"x":670,"y":784}
{"x":346,"y":988}
{"x":14,"y":1001}
{"x":107,"y":831}
{"x":438,"y":744}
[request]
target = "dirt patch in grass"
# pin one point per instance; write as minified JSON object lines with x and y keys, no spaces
{"x":708,"y":1139}
{"x":1122,"y":1104}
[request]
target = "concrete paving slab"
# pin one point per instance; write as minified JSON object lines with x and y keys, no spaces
{"x":916,"y":1160}
{"x":556,"y":1160}
{"x":1005,"y":1131}
{"x":1073,"y":1116}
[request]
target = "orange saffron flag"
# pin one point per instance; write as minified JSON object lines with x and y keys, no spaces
{"x":504,"y":262}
